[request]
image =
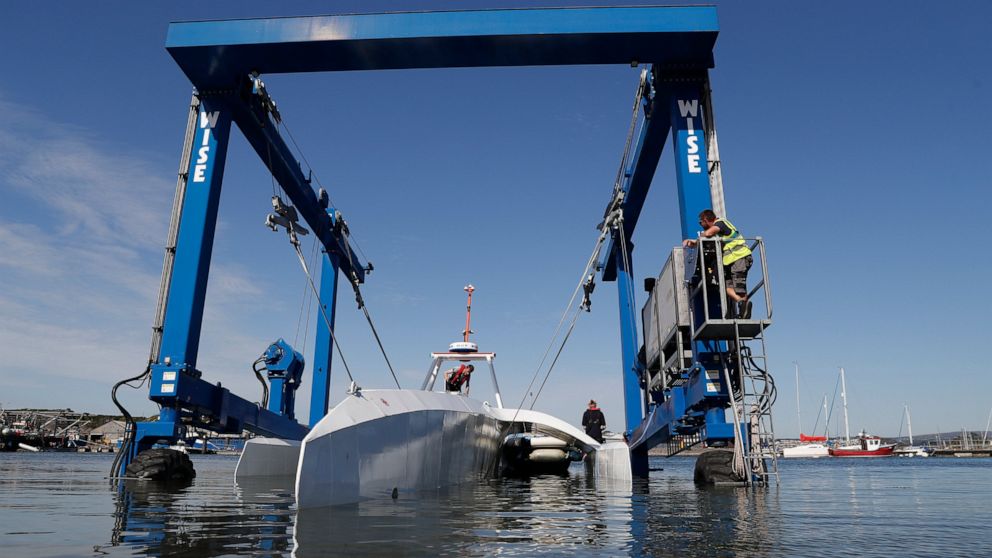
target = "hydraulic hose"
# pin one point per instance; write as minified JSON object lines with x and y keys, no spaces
{"x":129,"y":424}
{"x":261,"y":380}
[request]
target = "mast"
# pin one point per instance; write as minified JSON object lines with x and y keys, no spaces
{"x":843,"y":396}
{"x":468,"y":312}
{"x":909,"y":423}
{"x":799,"y":414}
{"x":826,"y":420}
{"x":987,"y":423}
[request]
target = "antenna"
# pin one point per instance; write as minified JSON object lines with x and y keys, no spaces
{"x":468,"y":312}
{"x":466,"y":346}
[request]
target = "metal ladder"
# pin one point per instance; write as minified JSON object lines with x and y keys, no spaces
{"x":752,"y":407}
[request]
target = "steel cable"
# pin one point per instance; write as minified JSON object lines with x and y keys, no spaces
{"x":591,"y":262}
{"x":323,"y":312}
{"x":377,"y":340}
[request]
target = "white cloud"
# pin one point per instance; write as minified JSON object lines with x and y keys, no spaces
{"x":81,"y":247}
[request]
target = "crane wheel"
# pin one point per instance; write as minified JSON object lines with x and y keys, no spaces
{"x":716,"y":467}
{"x":160,"y":464}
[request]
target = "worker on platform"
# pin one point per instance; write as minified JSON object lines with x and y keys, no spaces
{"x":737,"y":260}
{"x":455,"y":378}
{"x":594,"y":421}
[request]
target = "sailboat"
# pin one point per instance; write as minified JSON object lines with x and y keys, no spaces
{"x":810,"y":446}
{"x":865,"y":445}
{"x":910,"y":450}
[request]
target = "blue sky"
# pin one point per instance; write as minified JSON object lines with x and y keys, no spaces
{"x":854,"y":138}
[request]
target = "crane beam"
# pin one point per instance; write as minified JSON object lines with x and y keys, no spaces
{"x":213,"y":54}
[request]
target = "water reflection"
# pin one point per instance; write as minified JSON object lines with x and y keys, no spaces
{"x":572,"y":514}
{"x":203,"y":519}
{"x":505,"y":516}
{"x":676,"y":518}
{"x":61,"y":505}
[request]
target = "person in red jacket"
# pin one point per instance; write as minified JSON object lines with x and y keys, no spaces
{"x":594,"y":421}
{"x":456,"y":377}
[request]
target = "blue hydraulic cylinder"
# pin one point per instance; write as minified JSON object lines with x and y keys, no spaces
{"x":323,"y":345}
{"x":188,"y":288}
{"x":285,"y":370}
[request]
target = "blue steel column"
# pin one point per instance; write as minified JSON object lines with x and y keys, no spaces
{"x":632,"y":397}
{"x":323,"y":347}
{"x":690,"y":154}
{"x":188,"y":287}
{"x":686,"y":109}
{"x":187,"y":291}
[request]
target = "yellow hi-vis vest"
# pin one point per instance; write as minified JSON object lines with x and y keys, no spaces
{"x":734,"y":245}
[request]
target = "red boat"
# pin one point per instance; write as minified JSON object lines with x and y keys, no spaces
{"x":867,"y":446}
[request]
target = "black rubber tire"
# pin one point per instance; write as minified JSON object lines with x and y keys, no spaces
{"x":716,"y":467}
{"x":161,"y":464}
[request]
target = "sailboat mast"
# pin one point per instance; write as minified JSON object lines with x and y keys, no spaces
{"x":987,"y":423}
{"x":826,"y":419}
{"x":799,"y":414}
{"x":909,"y":423}
{"x":843,"y":396}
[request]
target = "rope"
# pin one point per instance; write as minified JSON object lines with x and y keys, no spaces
{"x":306,"y":323}
{"x":305,"y":301}
{"x":738,"y":464}
{"x":313,"y":173}
{"x":571,"y":326}
{"x":582,"y":278}
{"x":323,"y":311}
{"x":377,"y":340}
{"x":626,"y":263}
{"x":630,"y":132}
{"x":358,"y":294}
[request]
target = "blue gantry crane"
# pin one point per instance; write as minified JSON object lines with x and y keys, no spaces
{"x":676,"y":401}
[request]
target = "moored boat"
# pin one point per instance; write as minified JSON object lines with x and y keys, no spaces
{"x":811,"y":449}
{"x":866,"y":446}
{"x":911,"y":450}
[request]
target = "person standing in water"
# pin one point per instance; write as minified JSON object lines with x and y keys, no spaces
{"x":594,"y":421}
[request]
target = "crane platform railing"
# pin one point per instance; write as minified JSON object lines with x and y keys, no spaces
{"x":707,"y":278}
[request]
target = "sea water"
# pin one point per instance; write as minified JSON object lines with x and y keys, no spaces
{"x":59,"y":504}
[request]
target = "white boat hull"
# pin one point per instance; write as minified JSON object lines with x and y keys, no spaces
{"x":268,"y":457}
{"x":911,"y":451}
{"x":806,"y":450}
{"x":383,"y":443}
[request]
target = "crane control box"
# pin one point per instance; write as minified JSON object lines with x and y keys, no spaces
{"x":666,"y":323}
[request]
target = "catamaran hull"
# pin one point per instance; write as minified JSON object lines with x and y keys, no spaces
{"x":268,"y":457}
{"x":386,"y":443}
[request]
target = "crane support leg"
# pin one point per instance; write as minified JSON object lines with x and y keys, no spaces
{"x":323,"y":344}
{"x":686,"y":103}
{"x":686,"y":109}
{"x":188,"y":288}
{"x":632,"y":398}
{"x":176,"y":384}
{"x":175,"y":372}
